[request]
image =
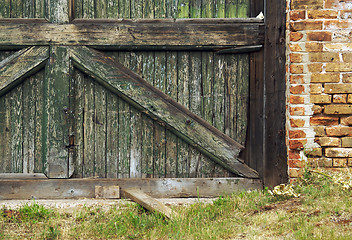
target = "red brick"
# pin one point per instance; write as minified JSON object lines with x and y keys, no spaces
{"x":306,"y":4}
{"x":347,"y":121}
{"x":297,"y":122}
{"x":325,"y":78}
{"x":324,"y":57}
{"x":293,"y":154}
{"x":317,"y":109}
{"x":349,"y":163}
{"x":328,"y":141}
{"x":297,"y":15}
{"x":295,"y":36}
{"x":319,"y":36}
{"x":297,"y":134}
{"x":339,"y":162}
{"x":319,"y":131}
{"x":349,"y":98}
{"x":322,"y":14}
{"x":296,"y":68}
{"x":296,"y":100}
{"x":346,"y":14}
{"x":297,"y":111}
{"x":320,"y":99}
{"x":339,"y":98}
{"x":295,"y":48}
{"x":347,"y":77}
{"x":324,"y":120}
{"x":299,"y":89}
{"x":295,"y":163}
{"x":297,"y":144}
{"x":315,"y":67}
{"x":296,"y":79}
{"x":306,"y":25}
{"x":315,"y":152}
{"x":338,"y":131}
{"x":295,"y":57}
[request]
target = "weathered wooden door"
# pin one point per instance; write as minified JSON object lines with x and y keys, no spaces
{"x":161,"y":98}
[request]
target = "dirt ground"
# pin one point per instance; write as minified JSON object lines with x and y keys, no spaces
{"x":70,"y":205}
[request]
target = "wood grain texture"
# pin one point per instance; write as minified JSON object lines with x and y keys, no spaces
{"x":157,"y":187}
{"x":193,"y":34}
{"x":124,"y":82}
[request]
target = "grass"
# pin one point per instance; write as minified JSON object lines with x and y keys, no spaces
{"x":323,"y":210}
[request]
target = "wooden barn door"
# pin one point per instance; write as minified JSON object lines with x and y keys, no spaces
{"x":161,"y":98}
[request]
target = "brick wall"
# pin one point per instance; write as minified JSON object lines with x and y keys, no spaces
{"x":319,"y":80}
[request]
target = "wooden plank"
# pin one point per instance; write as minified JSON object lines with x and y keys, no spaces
{"x":148,"y":9}
{"x":128,"y":33}
{"x":100,"y":131}
{"x":157,"y":187}
{"x":39,"y":8}
{"x":112,"y":135}
{"x":16,"y":9}
{"x":183,"y":98}
{"x":88,"y":9}
{"x":100,"y":9}
{"x":171,"y":90}
{"x":160,"y":8}
{"x":56,"y":113}
{"x":23,"y":176}
{"x":124,"y":9}
{"x":28,"y":8}
{"x":219,"y":92}
{"x":275,"y":159}
{"x":38,"y":157}
{"x":5,"y":9}
{"x":183,"y":9}
{"x":219,"y":8}
{"x":142,"y":95}
{"x":22,"y":64}
{"x":109,"y":192}
{"x":57,"y":11}
{"x":16,"y":129}
{"x":195,"y":9}
{"x":5,"y":134}
{"x":148,"y":202}
{"x":89,"y":128}
{"x":137,"y":9}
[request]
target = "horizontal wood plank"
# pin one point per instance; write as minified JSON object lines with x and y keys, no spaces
{"x":138,"y":92}
{"x":20,"y":65}
{"x":155,"y":187}
{"x":129,"y":34}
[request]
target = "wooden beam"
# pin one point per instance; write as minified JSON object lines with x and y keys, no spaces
{"x":20,"y":65}
{"x":192,"y":34}
{"x":138,"y":92}
{"x":148,"y":202}
{"x":155,"y":187}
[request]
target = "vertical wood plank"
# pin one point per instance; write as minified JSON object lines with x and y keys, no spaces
{"x":100,"y":9}
{"x":231,"y":71}
{"x":5,"y":134}
{"x":5,"y":9}
{"x":219,"y":8}
{"x":243,"y":8}
{"x":183,"y":98}
{"x":88,"y":125}
{"x":218,"y":92}
{"x":112,"y":131}
{"x":137,"y":9}
{"x":171,"y":90}
{"x":58,"y":11}
{"x":124,"y":127}
{"x":28,"y":124}
{"x":16,"y":9}
{"x":195,"y":85}
{"x":77,"y":105}
{"x":38,"y":93}
{"x":78,"y":8}
{"x":183,"y":9}
{"x":88,"y":9}
{"x":171,"y":8}
{"x":159,"y":130}
{"x":124,"y":9}
{"x":136,"y":65}
{"x":160,"y":8}
{"x":148,"y":9}
{"x":112,"y":9}
{"x":208,"y":8}
{"x":100,"y":130}
{"x":195,"y":9}
{"x":147,"y":134}
{"x":28,"y":9}
{"x":231,"y":8}
{"x":56,"y":113}
{"x":16,"y":129}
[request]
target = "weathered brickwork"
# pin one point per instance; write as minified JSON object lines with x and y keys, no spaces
{"x":319,"y":84}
